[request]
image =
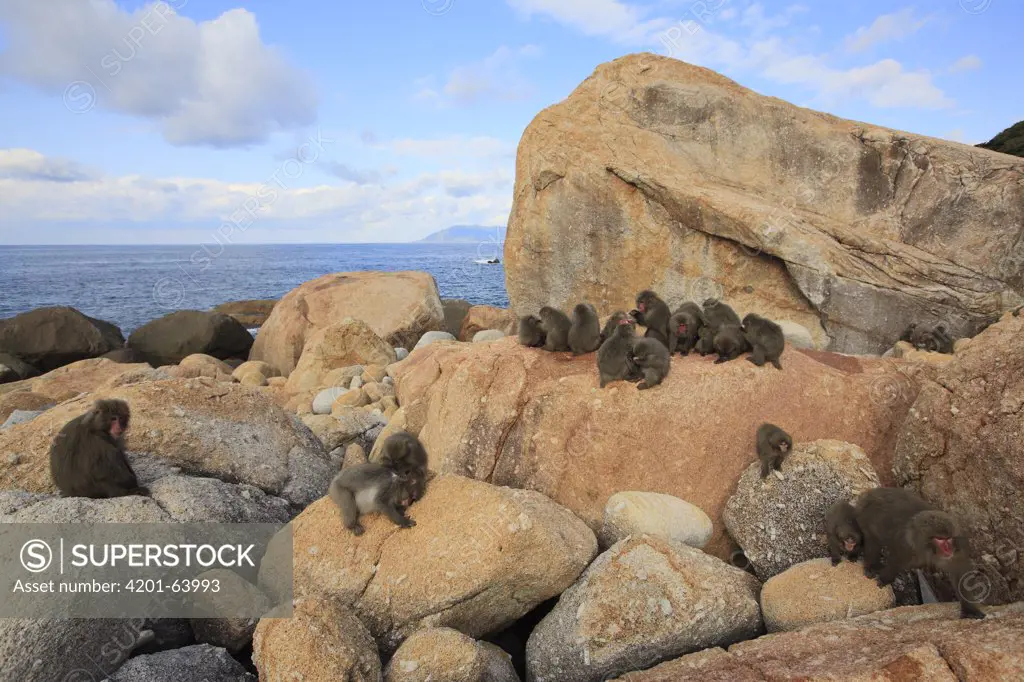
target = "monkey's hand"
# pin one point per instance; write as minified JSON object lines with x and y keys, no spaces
{"x":720,"y":360}
{"x":835,"y":561}
{"x":642,"y":386}
{"x":357,"y":529}
{"x":968,"y":610}
{"x":407,"y":522}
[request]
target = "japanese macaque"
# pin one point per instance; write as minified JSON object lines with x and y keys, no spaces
{"x":730,"y":343}
{"x":684,"y":328}
{"x":615,"y":356}
{"x":404,"y":453}
{"x":765,"y":338}
{"x":652,"y":359}
{"x":556,"y":325}
{"x":933,"y":338}
{"x":530,"y":331}
{"x":843,"y":533}
{"x":717,"y":313}
{"x":368,"y":488}
{"x":912,"y":534}
{"x":773,"y":444}
{"x":585,"y":332}
{"x":612,"y":324}
{"x":653,"y":313}
{"x":87,"y":458}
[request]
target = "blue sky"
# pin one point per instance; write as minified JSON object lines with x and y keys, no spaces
{"x":135,"y":122}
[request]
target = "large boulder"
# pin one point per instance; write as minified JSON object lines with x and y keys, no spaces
{"x":530,"y":419}
{"x":335,"y":346}
{"x":815,"y":591}
{"x":169,"y":339}
{"x":225,"y":431}
{"x":655,"y":173}
{"x":83,"y":376}
{"x":321,"y":640}
{"x":398,"y":306}
{"x":779,"y":520}
{"x":962,"y":447}
{"x":643,"y":601}
{"x":250,"y":314}
{"x":71,"y":650}
{"x":899,"y":645}
{"x":446,"y":654}
{"x":23,"y":400}
{"x":48,"y":338}
{"x":197,"y":662}
{"x":482,"y":317}
{"x":641,"y":513}
{"x":479,"y":558}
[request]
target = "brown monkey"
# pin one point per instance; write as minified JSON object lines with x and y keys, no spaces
{"x":653,"y":313}
{"x":556,"y":327}
{"x":612,"y":324}
{"x":87,"y":458}
{"x":705,"y":341}
{"x":717,"y":313}
{"x":933,"y":338}
{"x":730,"y":343}
{"x":684,"y":328}
{"x":530,"y":332}
{"x":615,"y":356}
{"x":844,"y":536}
{"x":773,"y":444}
{"x":912,"y":534}
{"x":585,"y":332}
{"x":404,"y":453}
{"x":765,"y":338}
{"x":652,"y":358}
{"x":367,"y":488}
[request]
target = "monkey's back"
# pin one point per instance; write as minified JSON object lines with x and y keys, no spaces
{"x":885,"y":512}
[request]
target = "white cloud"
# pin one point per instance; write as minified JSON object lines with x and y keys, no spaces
{"x":32,"y":201}
{"x":209,"y":83}
{"x":968,"y":63}
{"x":450,"y":147}
{"x":885,"y":28}
{"x":28,"y":164}
{"x":496,"y":78}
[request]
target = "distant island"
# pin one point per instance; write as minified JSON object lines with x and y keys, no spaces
{"x":467,"y":234}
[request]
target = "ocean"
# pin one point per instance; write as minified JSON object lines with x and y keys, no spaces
{"x":131,"y":285}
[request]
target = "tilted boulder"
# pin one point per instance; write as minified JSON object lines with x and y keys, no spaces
{"x":527,"y":418}
{"x":962,"y":448}
{"x":664,"y":516}
{"x":225,"y":431}
{"x":643,"y":601}
{"x":446,"y":654}
{"x":83,"y":376}
{"x":659,"y":174}
{"x":250,"y":313}
{"x":196,"y":662}
{"x":398,"y":306}
{"x":170,"y":339}
{"x":779,"y":520}
{"x":47,"y":649}
{"x":48,"y":338}
{"x":479,"y":558}
{"x":483,"y":317}
{"x":337,"y":346}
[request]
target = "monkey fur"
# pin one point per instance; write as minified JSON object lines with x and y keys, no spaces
{"x":912,"y":534}
{"x":612,"y":324}
{"x":765,"y":338}
{"x":367,"y":488}
{"x":530,"y":332}
{"x":556,"y":325}
{"x":87,"y":458}
{"x":653,"y":313}
{"x":933,"y":338}
{"x":705,"y":341}
{"x":684,"y":328}
{"x":717,"y":314}
{"x":404,"y":453}
{"x":773,"y":445}
{"x":843,"y":533}
{"x":615,"y":356}
{"x":730,"y":343}
{"x":652,"y":359}
{"x":585,"y":332}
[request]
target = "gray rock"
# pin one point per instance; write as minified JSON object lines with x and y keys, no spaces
{"x":796,"y":335}
{"x":455,"y":311}
{"x":199,"y":662}
{"x":778,"y":521}
{"x":431,"y":337}
{"x":12,"y":501}
{"x":401,"y":354}
{"x":646,"y":513}
{"x":133,"y":509}
{"x":387,"y":381}
{"x":486,"y":335}
{"x":356,"y":382}
{"x":58,"y":650}
{"x":235,"y":593}
{"x":644,"y":601}
{"x":13,"y":368}
{"x":189,"y":499}
{"x":20,"y":417}
{"x":325,"y":399}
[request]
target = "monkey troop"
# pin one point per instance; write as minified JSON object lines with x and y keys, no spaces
{"x":713,"y":328}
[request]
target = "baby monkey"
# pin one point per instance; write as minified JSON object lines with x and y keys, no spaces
{"x":844,"y":536}
{"x":370,"y":487}
{"x":773,"y":444}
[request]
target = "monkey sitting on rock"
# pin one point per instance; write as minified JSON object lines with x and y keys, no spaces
{"x":773,"y":445}
{"x":653,"y":313}
{"x":935,"y":339}
{"x":556,"y":326}
{"x":585,"y":332}
{"x":765,"y":338}
{"x":652,"y":359}
{"x":912,"y":534}
{"x":843,"y":533}
{"x":684,"y":328}
{"x":612,"y":324}
{"x":530,"y":332}
{"x":87,"y":457}
{"x":615,"y":356}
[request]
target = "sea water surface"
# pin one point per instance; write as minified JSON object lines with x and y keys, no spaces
{"x":131,"y":285}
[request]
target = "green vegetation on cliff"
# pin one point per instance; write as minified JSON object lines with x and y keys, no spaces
{"x":1010,"y":141}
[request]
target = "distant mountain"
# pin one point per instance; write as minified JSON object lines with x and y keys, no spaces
{"x":467,"y":234}
{"x":1010,"y":141}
